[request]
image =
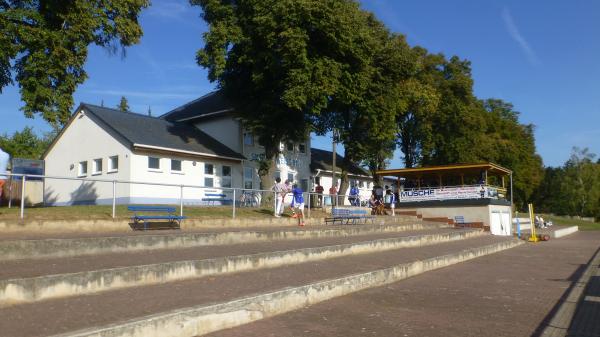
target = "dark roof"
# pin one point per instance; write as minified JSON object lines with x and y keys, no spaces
{"x":152,"y":131}
{"x":323,"y":160}
{"x":214,"y":102}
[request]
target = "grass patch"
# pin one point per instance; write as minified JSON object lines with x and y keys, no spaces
{"x":564,"y":221}
{"x":99,"y":212}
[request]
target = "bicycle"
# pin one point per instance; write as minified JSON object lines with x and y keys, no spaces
{"x":250,"y":199}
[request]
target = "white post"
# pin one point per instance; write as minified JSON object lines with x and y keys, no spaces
{"x":233,"y":202}
{"x":181,"y":201}
{"x":114,"y":201}
{"x":23,"y":196}
{"x":309,"y":200}
{"x":10,"y":183}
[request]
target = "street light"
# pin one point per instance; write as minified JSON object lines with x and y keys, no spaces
{"x":335,"y":139}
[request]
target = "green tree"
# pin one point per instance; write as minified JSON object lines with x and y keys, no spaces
{"x":45,"y":45}
{"x":288,"y":64}
{"x":123,"y":104}
{"x":25,"y":144}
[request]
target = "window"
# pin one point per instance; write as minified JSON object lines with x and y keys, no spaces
{"x":290,"y":177}
{"x":226,"y":176}
{"x":97,"y":166}
{"x":154,"y":163}
{"x":302,"y":148}
{"x":290,"y":146}
{"x":248,"y":177}
{"x":248,"y":138}
{"x":304,"y":184}
{"x":317,"y":180}
{"x":209,"y":170}
{"x":113,"y":164}
{"x":277,"y":174}
{"x":82,"y":171}
{"x":175,"y":165}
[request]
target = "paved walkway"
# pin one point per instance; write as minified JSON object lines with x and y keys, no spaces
{"x":511,"y":293}
{"x":72,"y":313}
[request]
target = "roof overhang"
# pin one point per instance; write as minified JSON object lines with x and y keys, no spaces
{"x":339,"y":172}
{"x":191,"y":153}
{"x":447,"y":169}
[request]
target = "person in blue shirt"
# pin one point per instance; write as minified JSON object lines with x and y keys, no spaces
{"x":353,"y":197}
{"x":298,"y":203}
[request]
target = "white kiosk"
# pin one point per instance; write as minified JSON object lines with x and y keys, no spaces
{"x":471,"y":195}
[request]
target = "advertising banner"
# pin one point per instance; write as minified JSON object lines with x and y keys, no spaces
{"x":450,"y":193}
{"x":27,"y":166}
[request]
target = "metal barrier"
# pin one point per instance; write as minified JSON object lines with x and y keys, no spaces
{"x":92,"y":191}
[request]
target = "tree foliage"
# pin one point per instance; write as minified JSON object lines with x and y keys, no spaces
{"x":295,"y":66}
{"x":45,"y":45}
{"x":572,"y":189}
{"x":25,"y":144}
{"x":124,"y":105}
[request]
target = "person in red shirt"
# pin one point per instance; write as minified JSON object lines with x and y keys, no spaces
{"x":319,"y":189}
{"x":333,"y":192}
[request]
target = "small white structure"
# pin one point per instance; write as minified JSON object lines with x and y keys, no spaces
{"x":475,"y":195}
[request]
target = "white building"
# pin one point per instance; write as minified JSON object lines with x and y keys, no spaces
{"x":214,"y":115}
{"x":322,"y":168}
{"x":105,"y":143}
{"x":201,"y":143}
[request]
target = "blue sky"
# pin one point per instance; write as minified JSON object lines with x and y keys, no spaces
{"x":540,"y":55}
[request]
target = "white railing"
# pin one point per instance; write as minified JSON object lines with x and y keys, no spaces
{"x":112,"y":194}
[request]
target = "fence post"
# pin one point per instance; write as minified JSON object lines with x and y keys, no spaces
{"x":181,"y":201}
{"x":114,"y":199}
{"x":10,"y":183}
{"x":23,"y":196}
{"x":233,"y":202}
{"x":309,"y":201}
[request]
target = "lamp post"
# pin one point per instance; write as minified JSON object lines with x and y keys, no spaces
{"x":335,"y":139}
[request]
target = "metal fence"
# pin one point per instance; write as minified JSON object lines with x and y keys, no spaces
{"x":28,"y":191}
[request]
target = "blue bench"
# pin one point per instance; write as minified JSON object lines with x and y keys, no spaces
{"x":459,"y":220}
{"x":169,"y":216}
{"x":347,"y":216}
{"x":212,"y":198}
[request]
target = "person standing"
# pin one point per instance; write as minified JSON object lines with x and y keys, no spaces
{"x":354,"y":199}
{"x":319,"y":190}
{"x":391,"y":198}
{"x":298,"y":204}
{"x":4,"y":158}
{"x":333,"y":194}
{"x":280,"y":191}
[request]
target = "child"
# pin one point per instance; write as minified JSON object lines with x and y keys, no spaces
{"x":391,"y":198}
{"x":298,"y":203}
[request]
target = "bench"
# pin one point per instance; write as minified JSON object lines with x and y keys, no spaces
{"x":212,"y":198}
{"x":169,"y":216}
{"x":347,"y":216}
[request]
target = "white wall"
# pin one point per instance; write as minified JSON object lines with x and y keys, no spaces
{"x":225,"y":129}
{"x":192,"y":173}
{"x":365,"y":191}
{"x":84,"y":140}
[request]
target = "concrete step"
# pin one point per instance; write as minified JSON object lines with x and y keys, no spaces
{"x":90,"y":245}
{"x":34,"y":280}
{"x":201,"y":305}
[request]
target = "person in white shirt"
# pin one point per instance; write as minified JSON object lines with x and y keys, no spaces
{"x":280,"y":191}
{"x":4,"y":158}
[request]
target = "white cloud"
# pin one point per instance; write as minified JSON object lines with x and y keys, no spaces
{"x":514,"y":33}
